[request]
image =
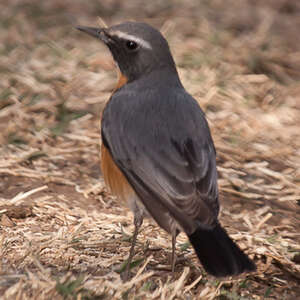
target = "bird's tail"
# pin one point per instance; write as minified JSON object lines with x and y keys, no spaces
{"x":219,"y":255}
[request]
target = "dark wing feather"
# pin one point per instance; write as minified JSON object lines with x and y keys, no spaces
{"x":164,"y":148}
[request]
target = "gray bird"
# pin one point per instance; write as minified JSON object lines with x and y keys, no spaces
{"x":157,"y":152}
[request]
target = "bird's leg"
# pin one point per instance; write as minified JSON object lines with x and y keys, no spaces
{"x":138,"y":221}
{"x":174,"y":235}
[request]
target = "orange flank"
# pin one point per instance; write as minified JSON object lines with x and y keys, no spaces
{"x":113,"y":177}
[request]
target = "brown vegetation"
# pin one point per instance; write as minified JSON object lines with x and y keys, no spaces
{"x":62,"y":236}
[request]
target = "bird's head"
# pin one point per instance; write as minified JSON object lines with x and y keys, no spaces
{"x":137,"y":48}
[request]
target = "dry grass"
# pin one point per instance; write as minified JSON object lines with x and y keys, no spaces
{"x":62,"y":235}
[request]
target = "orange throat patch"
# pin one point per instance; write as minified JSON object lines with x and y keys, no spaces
{"x":121,"y":81}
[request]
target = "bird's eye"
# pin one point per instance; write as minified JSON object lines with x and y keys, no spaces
{"x":131,"y":45}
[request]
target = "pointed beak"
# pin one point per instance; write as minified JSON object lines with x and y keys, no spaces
{"x":99,"y":33}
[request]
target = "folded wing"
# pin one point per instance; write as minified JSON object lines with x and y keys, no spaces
{"x":164,"y":149}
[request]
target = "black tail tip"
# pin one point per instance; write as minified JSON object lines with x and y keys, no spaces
{"x":218,"y":254}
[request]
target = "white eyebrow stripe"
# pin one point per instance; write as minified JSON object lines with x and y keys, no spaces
{"x":124,"y":35}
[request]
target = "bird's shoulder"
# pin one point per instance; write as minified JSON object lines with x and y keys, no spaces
{"x":167,"y":107}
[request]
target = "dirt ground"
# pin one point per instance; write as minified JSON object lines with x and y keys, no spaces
{"x":62,"y":235}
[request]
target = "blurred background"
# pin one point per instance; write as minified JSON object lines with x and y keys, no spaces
{"x":239,"y":59}
{"x":45,"y":61}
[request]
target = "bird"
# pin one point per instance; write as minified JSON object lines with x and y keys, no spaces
{"x":157,"y":152}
